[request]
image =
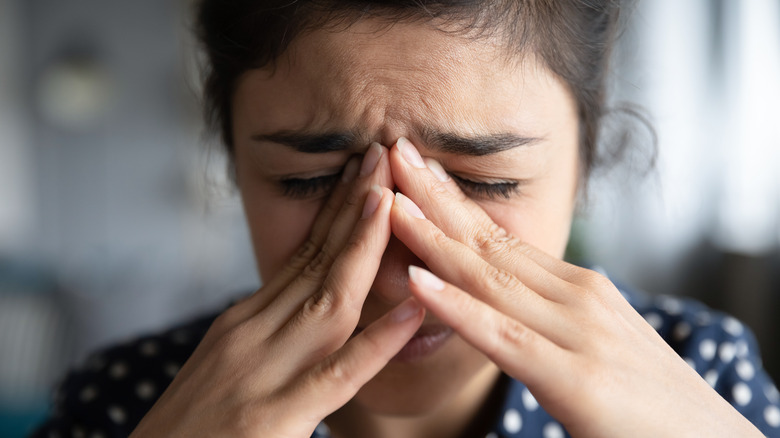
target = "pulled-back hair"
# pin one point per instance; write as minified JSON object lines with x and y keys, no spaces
{"x":573,"y":38}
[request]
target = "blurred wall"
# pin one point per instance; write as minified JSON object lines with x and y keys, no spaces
{"x":116,"y":216}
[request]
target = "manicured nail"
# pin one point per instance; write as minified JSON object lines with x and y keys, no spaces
{"x":372,"y":201}
{"x":409,"y":152}
{"x":371,"y":159}
{"x":350,"y":170}
{"x":437,"y":170}
{"x":405,"y":310}
{"x":408,"y":205}
{"x":425,"y":279}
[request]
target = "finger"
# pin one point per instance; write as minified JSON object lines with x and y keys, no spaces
{"x":445,"y":204}
{"x":517,"y":349}
{"x":333,"y":311}
{"x":459,"y":264}
{"x":499,"y":288}
{"x":250,"y":305}
{"x":343,"y":233}
{"x":334,"y":381}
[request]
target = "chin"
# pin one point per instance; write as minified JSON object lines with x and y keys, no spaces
{"x":420,"y":388}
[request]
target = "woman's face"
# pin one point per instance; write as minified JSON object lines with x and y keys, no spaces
{"x":409,"y":80}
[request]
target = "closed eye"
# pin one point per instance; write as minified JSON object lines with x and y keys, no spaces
{"x":484,"y":190}
{"x":309,"y":188}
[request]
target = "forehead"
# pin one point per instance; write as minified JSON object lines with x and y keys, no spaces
{"x":383,"y":81}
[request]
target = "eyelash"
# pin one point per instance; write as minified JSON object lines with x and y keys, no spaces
{"x":310,"y":188}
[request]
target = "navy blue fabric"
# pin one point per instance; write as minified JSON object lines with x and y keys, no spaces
{"x":115,"y":387}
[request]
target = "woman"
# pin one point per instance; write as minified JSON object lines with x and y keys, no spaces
{"x":409,"y":172}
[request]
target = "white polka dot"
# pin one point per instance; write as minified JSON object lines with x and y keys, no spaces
{"x":711,"y":377}
{"x":552,"y":430}
{"x":727,"y":351}
{"x":118,"y":370}
{"x":149,"y":348}
{"x":772,"y":416}
{"x":529,"y":401}
{"x":323,"y":429}
{"x":512,"y":421}
{"x":707,"y":349}
{"x":117,"y":414}
{"x":745,"y":370}
{"x":690,"y":362}
{"x":171,"y":369}
{"x":88,"y":394}
{"x":742,"y":394}
{"x":681,"y":331}
{"x":180,"y":336}
{"x":732,"y":326}
{"x":491,"y":435}
{"x":145,"y":390}
{"x":655,"y":320}
{"x":771,"y":393}
{"x":672,"y":305}
{"x":742,"y":349}
{"x":703,"y":318}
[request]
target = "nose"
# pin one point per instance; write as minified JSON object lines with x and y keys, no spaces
{"x":391,"y":285}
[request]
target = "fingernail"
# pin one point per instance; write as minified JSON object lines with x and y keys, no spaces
{"x":372,"y":201}
{"x":371,"y":159}
{"x":425,"y":279}
{"x":405,"y":310}
{"x":437,"y":170}
{"x":350,"y":170}
{"x":408,"y":205}
{"x":409,"y":152}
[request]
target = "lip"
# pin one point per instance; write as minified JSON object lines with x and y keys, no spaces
{"x":426,"y":341}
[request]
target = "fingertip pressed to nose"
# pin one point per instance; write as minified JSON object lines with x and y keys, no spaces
{"x":371,"y":159}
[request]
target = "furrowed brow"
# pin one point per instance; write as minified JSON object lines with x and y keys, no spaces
{"x":475,"y":145}
{"x":310,"y":143}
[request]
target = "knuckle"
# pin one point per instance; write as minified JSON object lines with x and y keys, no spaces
{"x":305,"y":253}
{"x":227,"y":319}
{"x":491,"y":241}
{"x":337,"y":374}
{"x":324,"y":305}
{"x":353,"y":199}
{"x":318,"y":266}
{"x":511,"y":333}
{"x":440,"y":240}
{"x":593,"y":282}
{"x":500,"y":279}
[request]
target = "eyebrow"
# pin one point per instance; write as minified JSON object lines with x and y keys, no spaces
{"x":311,"y":143}
{"x":473,"y":145}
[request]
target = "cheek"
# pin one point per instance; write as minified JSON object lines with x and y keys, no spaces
{"x":278,"y":229}
{"x":544,"y":224}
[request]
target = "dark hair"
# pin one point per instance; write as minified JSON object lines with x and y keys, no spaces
{"x":574,"y":39}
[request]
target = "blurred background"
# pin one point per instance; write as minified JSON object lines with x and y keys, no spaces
{"x":116,"y":216}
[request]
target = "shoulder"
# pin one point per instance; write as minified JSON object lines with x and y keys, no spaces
{"x":114,"y":388}
{"x":720,"y":348}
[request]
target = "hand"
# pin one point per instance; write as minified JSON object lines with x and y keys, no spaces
{"x":277,"y":363}
{"x":588,"y":358}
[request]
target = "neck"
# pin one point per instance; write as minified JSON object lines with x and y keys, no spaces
{"x":468,"y":411}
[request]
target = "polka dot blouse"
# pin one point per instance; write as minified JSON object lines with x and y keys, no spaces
{"x":114,"y":388}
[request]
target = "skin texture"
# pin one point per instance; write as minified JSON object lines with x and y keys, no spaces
{"x":338,"y":259}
